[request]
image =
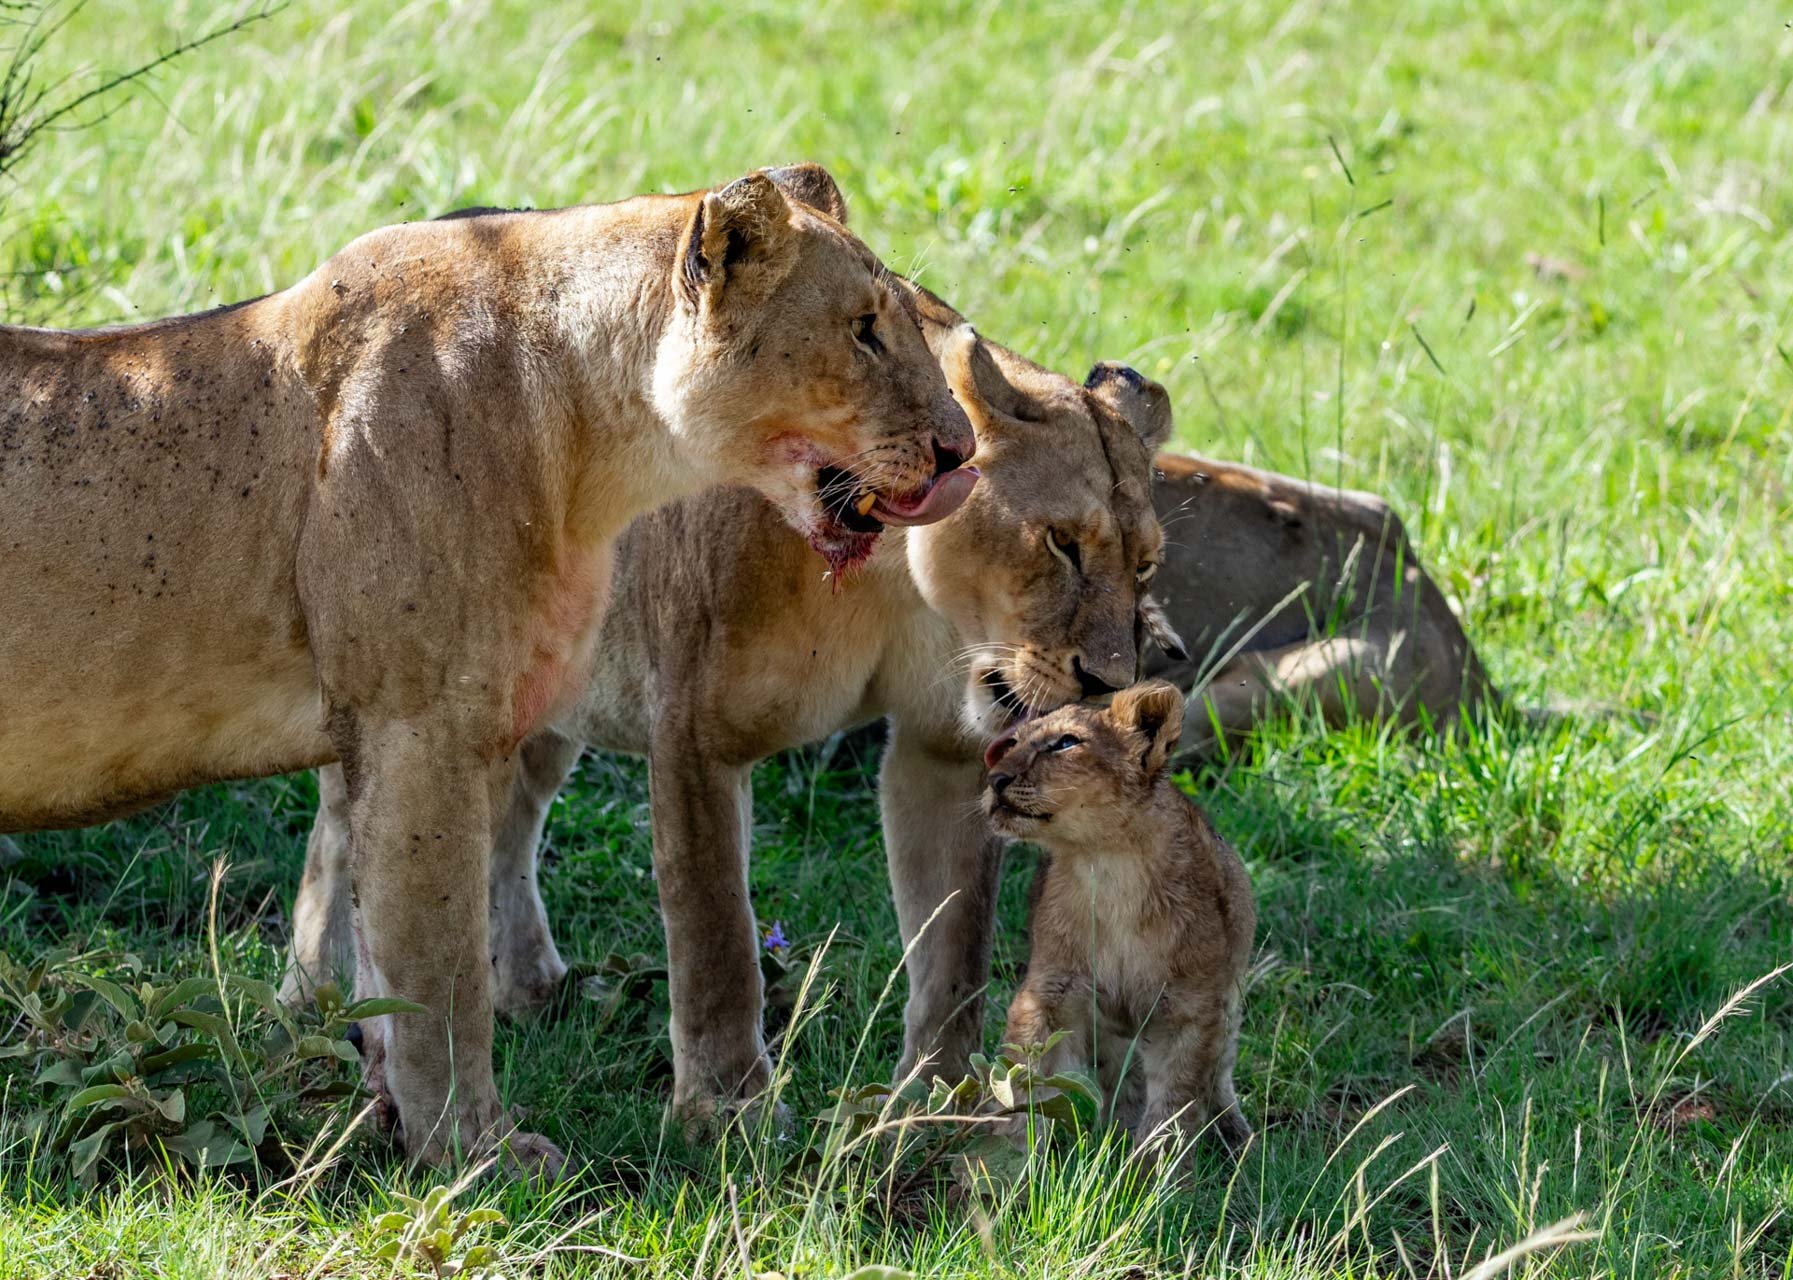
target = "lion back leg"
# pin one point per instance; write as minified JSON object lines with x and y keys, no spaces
{"x":526,"y":965}
{"x":323,"y":945}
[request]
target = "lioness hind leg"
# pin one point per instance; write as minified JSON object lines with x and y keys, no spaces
{"x":420,"y":823}
{"x":526,"y":965}
{"x":323,"y":944}
{"x":702,"y":814}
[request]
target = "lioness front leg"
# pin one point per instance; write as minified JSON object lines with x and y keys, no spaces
{"x":944,"y":866}
{"x":323,"y":944}
{"x":526,"y":965}
{"x":703,"y":813}
{"x":421,"y":807}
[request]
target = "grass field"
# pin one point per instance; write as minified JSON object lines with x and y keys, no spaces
{"x":1521,"y":266}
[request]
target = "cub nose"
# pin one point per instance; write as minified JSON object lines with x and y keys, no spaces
{"x":999,"y":782}
{"x":1093,"y":686}
{"x":996,"y":751}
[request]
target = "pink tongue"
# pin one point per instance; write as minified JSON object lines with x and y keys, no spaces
{"x":944,"y":496}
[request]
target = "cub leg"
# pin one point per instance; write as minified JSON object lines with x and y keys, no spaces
{"x":703,"y":812}
{"x":1188,"y":1067}
{"x":421,"y":808}
{"x":940,"y":852}
{"x":526,"y":965}
{"x":323,"y":946}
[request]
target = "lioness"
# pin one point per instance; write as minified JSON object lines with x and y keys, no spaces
{"x":1142,"y":917}
{"x":371,"y":519}
{"x":1286,"y":590}
{"x":724,"y":645}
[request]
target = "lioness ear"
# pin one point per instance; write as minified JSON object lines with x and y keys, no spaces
{"x":1135,"y":397}
{"x":1154,"y":711}
{"x":812,"y":185}
{"x":739,"y":242}
{"x":965,"y":362}
{"x":1158,"y":627}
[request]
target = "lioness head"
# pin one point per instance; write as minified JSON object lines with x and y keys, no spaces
{"x":1043,"y":571}
{"x":796,"y":363}
{"x":1067,"y":778}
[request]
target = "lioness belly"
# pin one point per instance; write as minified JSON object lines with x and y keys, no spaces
{"x":152,"y":482}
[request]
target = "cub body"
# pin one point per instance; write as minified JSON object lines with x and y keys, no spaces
{"x":1142,"y":917}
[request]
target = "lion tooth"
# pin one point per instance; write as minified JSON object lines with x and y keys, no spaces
{"x":865,"y":504}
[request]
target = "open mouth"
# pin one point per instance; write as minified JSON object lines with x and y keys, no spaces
{"x":1004,"y":696}
{"x":858,"y":508}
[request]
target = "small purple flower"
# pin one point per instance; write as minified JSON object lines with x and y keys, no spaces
{"x":775,"y":939}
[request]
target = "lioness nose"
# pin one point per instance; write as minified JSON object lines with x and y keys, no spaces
{"x":947,"y":458}
{"x":1093,"y":686}
{"x":994,"y":752}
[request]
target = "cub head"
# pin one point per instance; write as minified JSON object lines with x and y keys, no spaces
{"x":1070,"y":778}
{"x":795,"y":363}
{"x":1043,"y":571}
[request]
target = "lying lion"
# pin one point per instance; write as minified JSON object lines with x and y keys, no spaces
{"x":1285,"y":591}
{"x":371,"y":519}
{"x":724,"y":644}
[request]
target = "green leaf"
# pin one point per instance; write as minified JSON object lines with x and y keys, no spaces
{"x":174,"y":1057}
{"x":120,"y":1067}
{"x":881,"y":1273}
{"x":181,"y":993}
{"x":380,"y":1006}
{"x":325,"y":1047}
{"x":173,"y":1106}
{"x":1002,"y":1086}
{"x":481,"y":1217}
{"x":211,"y":1024}
{"x":64,"y":1073}
{"x":95,"y":1095}
{"x":85,"y":1152}
{"x":111,"y":993}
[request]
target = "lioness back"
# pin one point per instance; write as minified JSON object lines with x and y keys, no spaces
{"x":134,"y":462}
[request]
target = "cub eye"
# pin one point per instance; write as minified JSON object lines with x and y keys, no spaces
{"x":1066,"y":743}
{"x":1144,"y":573}
{"x":1064,"y":546}
{"x":865,"y":332}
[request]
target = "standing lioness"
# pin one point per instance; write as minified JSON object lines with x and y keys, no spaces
{"x":370,"y":519}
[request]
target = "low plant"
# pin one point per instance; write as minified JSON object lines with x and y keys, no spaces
{"x":117,"y":1061}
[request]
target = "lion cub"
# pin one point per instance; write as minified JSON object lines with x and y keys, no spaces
{"x":1142,"y":917}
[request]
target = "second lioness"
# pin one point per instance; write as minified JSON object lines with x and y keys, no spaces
{"x":725,"y":644}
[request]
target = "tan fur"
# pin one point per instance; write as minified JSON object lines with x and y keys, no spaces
{"x":1143,"y":917}
{"x":371,"y":518}
{"x":725,"y":642}
{"x":1318,"y":590}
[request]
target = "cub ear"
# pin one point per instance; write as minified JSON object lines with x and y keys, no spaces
{"x":1158,"y":627}
{"x":1135,"y":397}
{"x":809,"y":183}
{"x":1154,"y":711}
{"x":739,"y":243}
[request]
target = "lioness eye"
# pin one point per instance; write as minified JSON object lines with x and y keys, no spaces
{"x":1144,"y":574}
{"x":865,"y":333}
{"x":1066,"y":743}
{"x":1064,"y":546}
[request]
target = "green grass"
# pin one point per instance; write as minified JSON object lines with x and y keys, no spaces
{"x":1522,"y":267}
